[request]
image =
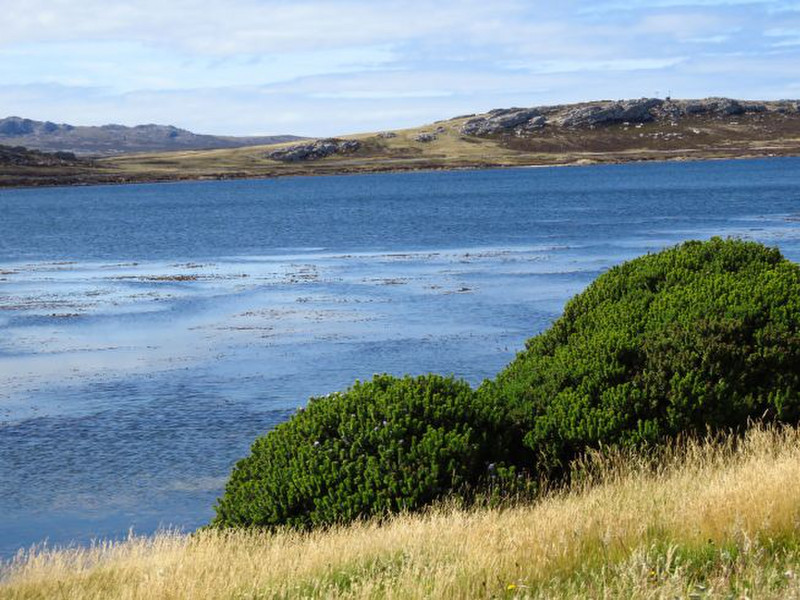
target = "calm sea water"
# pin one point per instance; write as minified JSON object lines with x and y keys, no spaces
{"x":149,"y":333}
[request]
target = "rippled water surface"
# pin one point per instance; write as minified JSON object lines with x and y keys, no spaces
{"x":149,"y":333}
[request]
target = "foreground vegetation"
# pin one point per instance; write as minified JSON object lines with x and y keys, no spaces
{"x":706,"y":334}
{"x":717,"y":518}
{"x":576,"y":472}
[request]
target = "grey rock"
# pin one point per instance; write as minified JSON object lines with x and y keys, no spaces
{"x":755,"y":107}
{"x":727,"y":107}
{"x":18,"y":156}
{"x":315,"y":150}
{"x":608,"y":113}
{"x":387,"y":135}
{"x":425,"y":137}
{"x":499,"y":121}
{"x":533,"y":124}
{"x":724,"y":107}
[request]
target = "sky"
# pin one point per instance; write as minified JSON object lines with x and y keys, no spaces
{"x":328,"y":67}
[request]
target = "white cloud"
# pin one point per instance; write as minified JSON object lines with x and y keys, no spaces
{"x":619,"y":64}
{"x":127,"y":66}
{"x":616,"y":5}
{"x":333,"y":66}
{"x":381,"y":95}
{"x":249,"y":26}
{"x":712,"y":39}
{"x":782,"y":32}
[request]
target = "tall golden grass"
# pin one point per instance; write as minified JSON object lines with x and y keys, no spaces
{"x":710,"y":518}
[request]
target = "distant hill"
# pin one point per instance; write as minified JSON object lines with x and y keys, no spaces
{"x":109,"y":140}
{"x":603,"y":131}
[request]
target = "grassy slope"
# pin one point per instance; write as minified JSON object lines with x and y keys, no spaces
{"x":695,"y":137}
{"x":703,"y":520}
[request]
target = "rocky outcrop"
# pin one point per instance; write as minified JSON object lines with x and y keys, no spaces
{"x":425,"y":137}
{"x":387,"y":135}
{"x":724,"y":107}
{"x":521,"y":121}
{"x":531,"y":125}
{"x":500,"y":121}
{"x":787,"y":106}
{"x":22,"y":157}
{"x":524,"y":121}
{"x":315,"y":150}
{"x":608,"y":113}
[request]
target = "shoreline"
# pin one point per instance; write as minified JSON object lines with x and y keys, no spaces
{"x":125,"y":179}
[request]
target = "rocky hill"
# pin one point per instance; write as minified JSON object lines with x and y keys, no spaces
{"x":108,"y":140}
{"x":525,"y":121}
{"x":22,"y":157}
{"x":21,"y":166}
{"x":606,"y":131}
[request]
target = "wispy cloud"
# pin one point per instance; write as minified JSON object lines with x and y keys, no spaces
{"x":582,"y":66}
{"x":334,"y":66}
{"x":381,"y":95}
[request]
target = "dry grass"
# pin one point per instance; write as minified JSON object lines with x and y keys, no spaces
{"x":716,"y":518}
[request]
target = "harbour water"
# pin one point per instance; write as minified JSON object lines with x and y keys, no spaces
{"x":149,"y":333}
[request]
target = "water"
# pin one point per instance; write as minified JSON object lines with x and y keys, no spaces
{"x":149,"y":333}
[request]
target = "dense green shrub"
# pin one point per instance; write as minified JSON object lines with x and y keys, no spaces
{"x":706,"y":334}
{"x":382,"y":446}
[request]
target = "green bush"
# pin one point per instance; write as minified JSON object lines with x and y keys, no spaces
{"x":703,"y":335}
{"x":706,"y":334}
{"x":382,"y":446}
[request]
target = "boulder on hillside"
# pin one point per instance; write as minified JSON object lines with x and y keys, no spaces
{"x":533,"y":124}
{"x":499,"y":121}
{"x":724,"y":107}
{"x":315,"y":150}
{"x":425,"y":137}
{"x":630,"y":111}
{"x":18,"y":156}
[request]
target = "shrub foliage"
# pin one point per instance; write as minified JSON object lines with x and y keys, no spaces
{"x":706,"y":334}
{"x":382,"y":446}
{"x":703,"y":335}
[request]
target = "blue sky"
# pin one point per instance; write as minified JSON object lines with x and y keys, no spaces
{"x":326,"y":67}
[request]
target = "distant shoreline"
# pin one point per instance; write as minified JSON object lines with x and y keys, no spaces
{"x":93,"y":180}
